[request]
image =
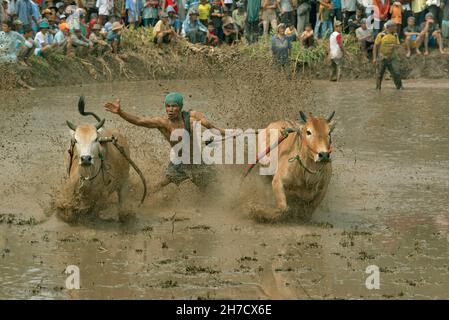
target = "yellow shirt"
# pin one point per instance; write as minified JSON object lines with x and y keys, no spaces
{"x":203,"y":11}
{"x":387,"y":42}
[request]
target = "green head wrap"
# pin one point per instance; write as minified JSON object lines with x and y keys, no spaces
{"x":174,"y":98}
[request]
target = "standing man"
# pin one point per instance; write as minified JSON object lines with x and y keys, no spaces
{"x":252,"y":20}
{"x":336,"y":52}
{"x":386,"y":44}
{"x":25,"y":12}
{"x":175,"y":118}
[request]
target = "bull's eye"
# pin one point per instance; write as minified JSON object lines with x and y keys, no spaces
{"x":309,"y":133}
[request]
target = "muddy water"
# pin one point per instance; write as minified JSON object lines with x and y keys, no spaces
{"x":387,"y":204}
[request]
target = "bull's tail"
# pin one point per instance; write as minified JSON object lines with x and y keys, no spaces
{"x":81,"y":105}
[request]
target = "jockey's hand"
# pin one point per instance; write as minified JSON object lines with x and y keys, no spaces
{"x":113,"y":107}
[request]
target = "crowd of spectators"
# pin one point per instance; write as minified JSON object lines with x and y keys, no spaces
{"x":94,"y":27}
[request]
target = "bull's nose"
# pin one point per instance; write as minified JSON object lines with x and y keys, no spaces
{"x":324,"y":156}
{"x":86,"y":160}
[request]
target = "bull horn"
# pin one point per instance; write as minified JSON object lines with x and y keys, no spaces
{"x":303,"y":116}
{"x":71,"y":125}
{"x":81,"y":105}
{"x":331,"y":116}
{"x":100,"y":124}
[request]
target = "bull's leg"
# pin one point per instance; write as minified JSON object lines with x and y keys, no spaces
{"x":122,"y":193}
{"x":279,"y":194}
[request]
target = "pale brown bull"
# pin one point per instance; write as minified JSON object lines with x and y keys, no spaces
{"x":96,"y":168}
{"x":304,"y":166}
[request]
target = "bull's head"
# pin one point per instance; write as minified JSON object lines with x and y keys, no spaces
{"x":316,"y":132}
{"x":86,"y":139}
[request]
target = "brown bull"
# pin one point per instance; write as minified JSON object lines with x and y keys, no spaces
{"x":95,"y":168}
{"x":304,"y":168}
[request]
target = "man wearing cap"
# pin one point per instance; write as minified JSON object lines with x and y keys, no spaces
{"x":193,"y":29}
{"x":365,"y":37}
{"x":336,"y":52}
{"x":164,"y":33}
{"x":100,"y":46}
{"x":239,"y":15}
{"x":173,"y":20}
{"x":114,"y":36}
{"x":430,"y":34}
{"x":175,"y":118}
{"x":81,"y":45}
{"x":386,"y":44}
{"x":44,"y":39}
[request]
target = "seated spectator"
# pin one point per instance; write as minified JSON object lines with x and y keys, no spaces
{"x":365,"y":38}
{"x":230,"y":31}
{"x":63,"y":39}
{"x":430,"y":34}
{"x":150,"y":13}
{"x":100,"y":46}
{"x":27,"y":47}
{"x":291,"y":30}
{"x":239,"y":15}
{"x":80,"y":44}
{"x":211,"y":37}
{"x":18,"y":26}
{"x":173,"y":20}
{"x":8,"y":43}
{"x":44,"y":40}
{"x":114,"y":36}
{"x":193,"y":29}
{"x":306,"y":38}
{"x":411,"y":34}
{"x":355,"y":21}
{"x":52,"y":25}
{"x":164,"y":33}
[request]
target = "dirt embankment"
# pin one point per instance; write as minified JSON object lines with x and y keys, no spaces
{"x":141,"y":60}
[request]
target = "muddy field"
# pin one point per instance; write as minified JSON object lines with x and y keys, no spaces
{"x":387,"y":204}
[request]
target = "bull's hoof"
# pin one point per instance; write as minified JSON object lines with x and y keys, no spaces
{"x":267,"y":215}
{"x":126,"y":217}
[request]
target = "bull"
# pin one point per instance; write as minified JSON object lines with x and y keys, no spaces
{"x":304,"y":165}
{"x":96,"y":168}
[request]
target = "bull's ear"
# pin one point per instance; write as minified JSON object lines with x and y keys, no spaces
{"x":100,"y":124}
{"x":329,"y":119}
{"x":302,"y":117}
{"x":332,"y":125}
{"x":71,"y":125}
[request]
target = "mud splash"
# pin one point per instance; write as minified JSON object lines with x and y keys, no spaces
{"x":386,"y":205}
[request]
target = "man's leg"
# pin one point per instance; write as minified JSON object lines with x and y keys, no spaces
{"x":408,"y":46}
{"x":437,"y":36}
{"x":426,"y":44}
{"x":380,"y":73}
{"x":395,"y":73}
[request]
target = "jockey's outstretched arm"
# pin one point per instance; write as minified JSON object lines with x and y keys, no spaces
{"x":148,"y":122}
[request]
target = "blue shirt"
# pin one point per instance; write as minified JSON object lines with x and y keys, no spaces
{"x":336,"y":4}
{"x":24,"y":11}
{"x":188,"y":27}
{"x":280,"y":48}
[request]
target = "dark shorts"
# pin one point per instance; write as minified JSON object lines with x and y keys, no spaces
{"x":165,"y":39}
{"x":200,"y":174}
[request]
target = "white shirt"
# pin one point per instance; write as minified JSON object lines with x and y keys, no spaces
{"x":335,"y":50}
{"x":42,"y":39}
{"x":105,"y":7}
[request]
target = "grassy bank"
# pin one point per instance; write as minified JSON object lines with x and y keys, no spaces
{"x":140,"y":59}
